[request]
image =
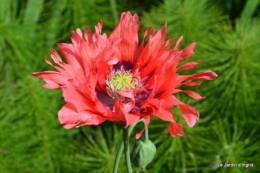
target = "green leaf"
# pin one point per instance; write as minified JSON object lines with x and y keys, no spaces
{"x":31,"y":17}
{"x":249,"y":9}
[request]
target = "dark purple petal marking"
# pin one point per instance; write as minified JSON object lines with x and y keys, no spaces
{"x":126,"y":66}
{"x":107,"y":101}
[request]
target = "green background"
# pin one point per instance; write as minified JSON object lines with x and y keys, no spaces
{"x":228,"y":131}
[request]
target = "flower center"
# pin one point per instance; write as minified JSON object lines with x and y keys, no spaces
{"x":120,"y":81}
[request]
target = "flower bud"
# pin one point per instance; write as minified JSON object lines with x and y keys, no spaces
{"x":143,"y":153}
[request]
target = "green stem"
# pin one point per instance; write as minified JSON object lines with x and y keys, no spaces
{"x":121,"y":148}
{"x":127,"y":152}
{"x":146,"y":136}
{"x":118,"y":156}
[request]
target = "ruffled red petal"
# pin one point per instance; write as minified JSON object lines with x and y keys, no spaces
{"x":122,"y":115}
{"x":175,"y":129}
{"x":188,"y":51}
{"x":190,"y":114}
{"x":52,"y":78}
{"x":163,"y":114}
{"x":189,"y":65}
{"x":193,"y":94}
{"x":71,"y":118}
{"x":76,"y":98}
{"x":127,"y":31}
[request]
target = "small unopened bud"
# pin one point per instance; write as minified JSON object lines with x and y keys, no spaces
{"x":143,"y":153}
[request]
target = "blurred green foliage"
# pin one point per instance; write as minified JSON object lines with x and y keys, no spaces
{"x":227,"y":37}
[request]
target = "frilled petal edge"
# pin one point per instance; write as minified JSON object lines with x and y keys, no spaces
{"x":70,"y":118}
{"x":190,"y":114}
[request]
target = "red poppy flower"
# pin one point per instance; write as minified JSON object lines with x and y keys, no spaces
{"x":118,"y":79}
